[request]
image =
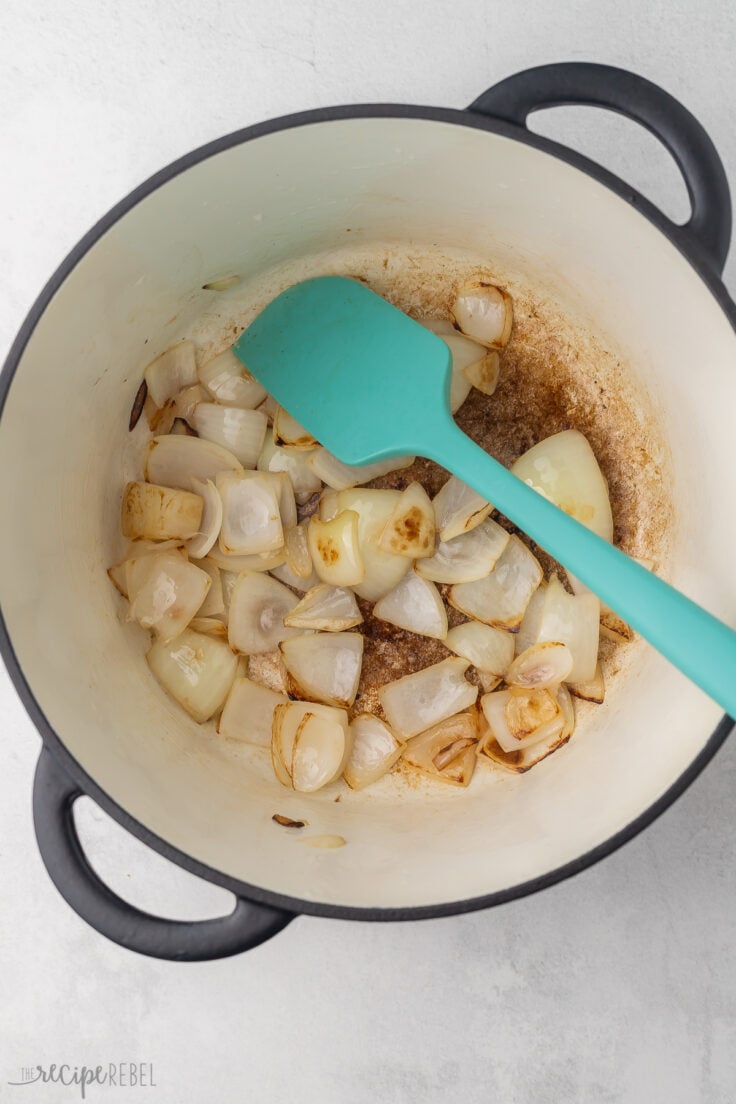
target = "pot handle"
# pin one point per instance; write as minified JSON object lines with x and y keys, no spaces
{"x":54,"y":794}
{"x":574,"y":82}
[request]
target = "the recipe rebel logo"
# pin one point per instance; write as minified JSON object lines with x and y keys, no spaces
{"x":112,"y":1075}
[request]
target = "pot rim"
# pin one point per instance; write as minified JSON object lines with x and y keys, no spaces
{"x":691,"y":252}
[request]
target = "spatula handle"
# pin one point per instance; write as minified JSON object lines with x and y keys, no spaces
{"x":700,"y":645}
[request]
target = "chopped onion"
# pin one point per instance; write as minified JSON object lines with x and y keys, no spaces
{"x":567,"y":710}
{"x":248,"y":713}
{"x":414,"y":604}
{"x":197,"y":670}
{"x":489,"y":650}
{"x":240,"y":431}
{"x":310,"y":744}
{"x":528,"y":633}
{"x":294,"y":463}
{"x":228,"y":381}
{"x":383,"y":570}
{"x":288,"y":431}
{"x":484,"y":313}
{"x":572,"y":619}
{"x":296,"y":546}
{"x":285,"y":575}
{"x":162,"y":420}
{"x":334,"y":548}
{"x":341,"y":476}
{"x":328,"y":505}
{"x":409,"y":530}
{"x":269,"y":406}
{"x":251,"y":520}
{"x":160,"y":513}
{"x":593,"y":690}
{"x":521,"y":759}
{"x":324,"y":666}
{"x":214,"y":603}
{"x":187,"y":401}
{"x":211,"y":626}
{"x":464,"y":352}
{"x":502,"y":597}
{"x":222,"y":284}
{"x":520,"y":719}
{"x":228,"y":580}
{"x":169,"y":373}
{"x":180,"y":428}
{"x":256,"y":619}
{"x":283,"y":774}
{"x":540,"y":666}
{"x":563,"y":468}
{"x":209,"y":526}
{"x":175,"y":461}
{"x":488,"y":681}
{"x":483,"y":374}
{"x":446,"y":751}
{"x":420,"y":700}
{"x":466,"y":558}
{"x":168,"y":594}
{"x":263,"y":561}
{"x":327,"y":608}
{"x":458,"y":509}
{"x":285,"y":496}
{"x":375,"y":751}
{"x":614,"y":628}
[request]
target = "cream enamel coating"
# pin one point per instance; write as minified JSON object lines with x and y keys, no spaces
{"x":263,"y":210}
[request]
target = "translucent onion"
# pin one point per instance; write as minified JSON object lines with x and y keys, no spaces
{"x":383,"y":570}
{"x":248,"y":713}
{"x":327,"y":608}
{"x":296,"y":546}
{"x":187,"y":401}
{"x":489,"y":650}
{"x":160,"y":513}
{"x":329,"y":506}
{"x":310,"y":744}
{"x":375,"y":751}
{"x":418,"y":701}
{"x":464,"y":353}
{"x":458,"y":509}
{"x":258,"y":604}
{"x":484,"y":313}
{"x":528,"y":633}
{"x":414,"y":604}
{"x":228,"y":381}
{"x":285,"y":575}
{"x":572,"y":619}
{"x":240,"y":431}
{"x":251,"y":519}
{"x":523,"y":759}
{"x":213,"y":603}
{"x":197,"y":670}
{"x":483,"y":374}
{"x":614,"y":628}
{"x":288,"y":431}
{"x":211,"y":521}
{"x":285,"y":496}
{"x":294,"y":463}
{"x":446,"y":751}
{"x":169,"y":373}
{"x":540,"y":666}
{"x":466,"y":558}
{"x":229,"y":562}
{"x":341,"y":476}
{"x":211,"y":626}
{"x":516,"y":725}
{"x":593,"y":691}
{"x":324,"y":666}
{"x":166,"y":594}
{"x":409,"y":530}
{"x":564,"y":469}
{"x":502,"y":597}
{"x":175,"y":461}
{"x":335,"y":549}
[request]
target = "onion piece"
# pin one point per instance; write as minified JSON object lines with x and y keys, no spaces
{"x":229,"y":562}
{"x":288,"y":431}
{"x":524,"y":758}
{"x":213,"y":603}
{"x":327,"y":608}
{"x":458,"y":509}
{"x":210,"y":626}
{"x":170,"y":372}
{"x":502,"y":597}
{"x":174,"y":461}
{"x":324,"y":666}
{"x":329,"y":506}
{"x":211,"y":521}
{"x":228,"y":579}
{"x":256,"y":617}
{"x":540,"y":666}
{"x":489,"y":650}
{"x":572,"y":619}
{"x":285,"y":575}
{"x":335,"y":550}
{"x":196,"y":670}
{"x":187,"y":401}
{"x":167,"y":594}
{"x":251,"y":520}
{"x":446,"y":751}
{"x":409,"y":530}
{"x":285,"y":496}
{"x":341,"y":476}
{"x":230,"y":383}
{"x":484,"y":313}
{"x":516,"y":723}
{"x":247,"y":715}
{"x":483,"y":374}
{"x":528,"y":633}
{"x":160,"y":513}
{"x":375,"y":751}
{"x":567,"y":709}
{"x":614,"y":628}
{"x":464,"y":352}
{"x":488,"y":681}
{"x":180,"y":428}
{"x":240,"y":431}
{"x":593,"y":690}
{"x":415,"y":605}
{"x":383,"y":570}
{"x":563,"y":468}
{"x":310,"y":744}
{"x":418,"y":701}
{"x":292,"y":461}
{"x":162,"y":420}
{"x":466,"y":558}
{"x":296,"y":546}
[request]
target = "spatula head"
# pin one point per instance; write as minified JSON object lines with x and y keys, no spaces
{"x":365,"y":380}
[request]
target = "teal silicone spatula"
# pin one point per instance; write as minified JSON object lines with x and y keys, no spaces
{"x":370,"y":383}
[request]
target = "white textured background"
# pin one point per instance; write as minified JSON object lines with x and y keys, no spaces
{"x":614,"y":988}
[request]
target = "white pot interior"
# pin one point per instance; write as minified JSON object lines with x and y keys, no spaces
{"x":334,"y":196}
